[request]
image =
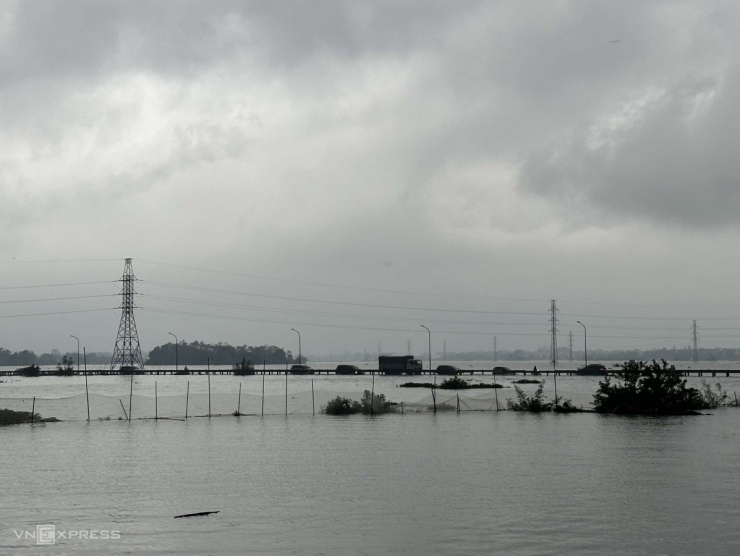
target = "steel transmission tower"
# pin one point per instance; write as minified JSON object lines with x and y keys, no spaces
{"x":127,"y":353}
{"x":570,"y":346}
{"x":554,"y":335}
{"x":696,"y":342}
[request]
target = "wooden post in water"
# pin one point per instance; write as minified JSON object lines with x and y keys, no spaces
{"x":458,"y":403}
{"x":33,"y":409}
{"x":187,"y":398}
{"x":263,"y":394}
{"x":401,"y":408}
{"x":239,"y":403}
{"x":131,"y":393}
{"x":495,"y":391}
{"x":87,"y":394}
{"x":313,"y":399}
{"x":372,"y":395}
{"x":124,"y":409}
{"x":209,"y":389}
{"x":434,"y":390}
{"x":286,"y":393}
{"x":156,"y":402}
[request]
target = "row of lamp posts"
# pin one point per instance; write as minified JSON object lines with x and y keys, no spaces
{"x":300,"y":354}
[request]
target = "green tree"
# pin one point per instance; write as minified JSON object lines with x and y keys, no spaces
{"x":646,"y":388}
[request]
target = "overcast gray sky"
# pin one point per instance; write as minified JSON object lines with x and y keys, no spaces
{"x":458,"y":164}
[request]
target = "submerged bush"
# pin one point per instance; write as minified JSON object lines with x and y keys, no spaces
{"x":341,"y":406}
{"x":65,"y":368}
{"x":377,"y":403}
{"x":10,"y":417}
{"x":536,"y":403}
{"x":713,"y":399}
{"x":369,"y":404}
{"x":647,"y":388}
{"x":31,"y":370}
{"x":245,"y":368}
{"x":454,"y":383}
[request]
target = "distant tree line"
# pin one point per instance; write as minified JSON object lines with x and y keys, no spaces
{"x":25,"y":358}
{"x":200,"y":353}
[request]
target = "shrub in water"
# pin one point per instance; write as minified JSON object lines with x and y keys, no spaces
{"x":245,"y":368}
{"x":536,"y":403}
{"x":10,"y":417}
{"x":647,"y":388}
{"x":713,"y":399}
{"x":341,"y":406}
{"x":374,"y":404}
{"x":31,"y":370}
{"x":65,"y":368}
{"x":454,"y":383}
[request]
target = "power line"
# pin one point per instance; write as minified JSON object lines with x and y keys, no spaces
{"x":57,"y":298}
{"x":57,"y":285}
{"x":331,"y":302}
{"x":57,"y":313}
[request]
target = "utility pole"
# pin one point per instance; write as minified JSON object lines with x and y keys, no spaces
{"x":570,"y":346}
{"x":495,"y":350}
{"x":696,"y":343}
{"x":408,"y":346}
{"x":444,"y":350}
{"x":127,"y":351}
{"x":554,"y":345}
{"x":554,"y":335}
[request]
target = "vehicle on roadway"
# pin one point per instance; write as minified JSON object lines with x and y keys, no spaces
{"x":301,"y":370}
{"x":594,"y":369}
{"x":399,"y":364}
{"x":450,"y":370}
{"x":349,"y":370}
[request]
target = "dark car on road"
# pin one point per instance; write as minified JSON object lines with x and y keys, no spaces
{"x":348,"y":370}
{"x":301,"y":370}
{"x":447,"y":370}
{"x":595,"y":369}
{"x":503,"y":371}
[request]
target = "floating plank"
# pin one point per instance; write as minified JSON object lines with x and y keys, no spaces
{"x":197,"y":514}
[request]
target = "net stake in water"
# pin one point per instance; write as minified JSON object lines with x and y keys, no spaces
{"x":87,"y":394}
{"x":187,"y":398}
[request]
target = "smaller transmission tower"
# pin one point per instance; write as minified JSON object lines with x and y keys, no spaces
{"x":696,"y":342}
{"x":127,"y":352}
{"x":554,"y":334}
{"x":570,"y":346}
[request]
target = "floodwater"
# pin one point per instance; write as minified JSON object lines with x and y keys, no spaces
{"x":474,"y":482}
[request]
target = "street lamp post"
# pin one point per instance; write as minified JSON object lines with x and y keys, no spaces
{"x":78,"y":351}
{"x":429,"y":334}
{"x":300,"y":356}
{"x":585,"y":344}
{"x":176,"y":342}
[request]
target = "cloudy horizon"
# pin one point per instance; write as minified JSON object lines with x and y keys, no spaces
{"x":360,"y":169}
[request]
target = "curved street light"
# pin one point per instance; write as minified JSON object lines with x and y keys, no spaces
{"x":176,"y":342}
{"x":78,"y":351}
{"x":300,"y":357}
{"x":430,"y":346}
{"x":585,"y":345}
